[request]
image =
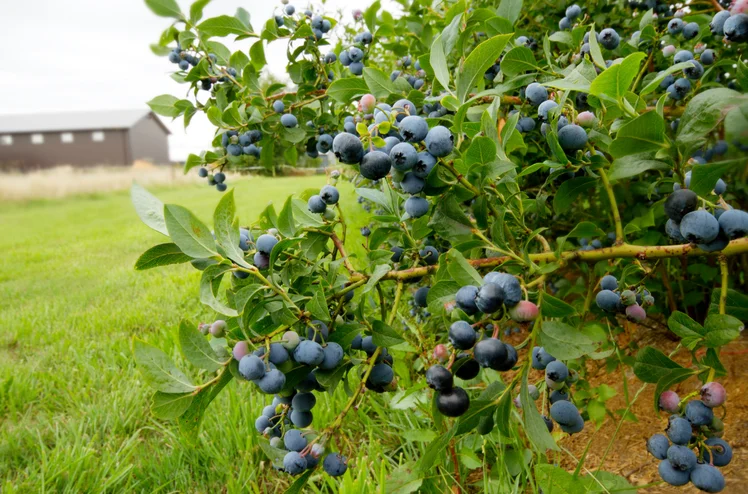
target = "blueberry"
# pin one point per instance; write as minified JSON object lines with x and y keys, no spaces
{"x":667,"y":81}
{"x":536,"y":94}
{"x":636,"y":313}
{"x":439,"y":141}
{"x":335,"y":465}
{"x":707,"y":478}
{"x":564,"y":24}
{"x":381,"y":375}
{"x":465,"y":299}
{"x":202,"y":172}
{"x":672,"y":228}
{"x":290,"y":9}
{"x":301,"y":419}
{"x":278,"y":106}
{"x":309,"y":352}
{"x":720,"y":452}
{"x":184,"y":64}
{"x":672,"y":475}
{"x":694,"y":72}
{"x":262,"y":423}
{"x":317,"y":331}
{"x":329,"y":195}
{"x":609,"y":282}
{"x":509,"y":284}
{"x":278,"y":354}
{"x":564,"y":413}
{"x":699,"y":227}
{"x":545,"y":107}
{"x":734,"y":223}
{"x":698,"y":413}
{"x":718,"y":22}
{"x":316,"y":204}
{"x":490,"y":298}
{"x":557,"y":371}
{"x":428,"y":254}
{"x":289,"y":121}
{"x":356,"y":68}
{"x":414,"y":128}
{"x":402,"y":108}
{"x":331,"y":58}
{"x":355,"y":54}
{"x":707,"y":57}
{"x":294,"y":440}
{"x":574,"y":427}
{"x":682,"y":56}
{"x":558,"y":395}
{"x":452,"y":403}
{"x":541,"y":358}
{"x":679,"y":430}
{"x":303,"y":402}
{"x":333,"y":356}
{"x":681,"y":457}
{"x":461,"y":335}
{"x":680,"y":203}
{"x":465,"y":367}
{"x":293,"y":462}
{"x":424,"y":164}
{"x":491,"y":353}
{"x":251,"y":367}
{"x":367,"y":345}
{"x":420,"y":296}
{"x":347,"y":148}
{"x":412,"y":184}
{"x":713,"y":394}
{"x":511,"y":358}
{"x":573,"y":11}
{"x":221,"y":187}
{"x":389,"y":143}
{"x":439,"y":378}
{"x":324,"y":143}
{"x":690,"y":30}
{"x":375,"y":165}
{"x":234,"y":150}
{"x":607,"y":300}
{"x":548,"y":423}
{"x":675,"y":26}
{"x":403,"y":156}
{"x":366,"y":37}
{"x":272,"y":382}
{"x":572,"y":137}
{"x":658,"y":445}
{"x":609,"y":38}
{"x":397,"y":253}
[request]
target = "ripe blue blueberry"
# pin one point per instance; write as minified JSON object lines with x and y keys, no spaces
{"x":526,"y":124}
{"x":316,"y":204}
{"x":356,"y":68}
{"x":564,"y":24}
{"x":690,"y":30}
{"x":609,"y":282}
{"x":375,"y":165}
{"x":278,"y":354}
{"x":345,"y":59}
{"x":734,"y":223}
{"x":413,"y":128}
{"x":609,"y":38}
{"x":439,"y":141}
{"x":541,"y":358}
{"x":367,"y":345}
{"x":309,"y":352}
{"x":429,"y":254}
{"x":608,"y":300}
{"x":679,"y":430}
{"x":672,"y":228}
{"x":680,"y":203}
{"x":335,"y":465}
{"x":574,"y":427}
{"x":381,"y":375}
{"x":403,"y":156}
{"x":465,"y":299}
{"x":491,"y":353}
{"x":412,"y":184}
{"x":317,"y":331}
{"x":490,"y":298}
{"x":289,"y":121}
{"x":658,"y":445}
{"x":682,"y":56}
{"x":251,"y":367}
{"x":290,"y":9}
{"x":278,"y":106}
{"x":294,"y":440}
{"x":234,"y":149}
{"x":452,"y":403}
{"x":301,"y":419}
{"x":202,"y":172}
{"x":424,"y":164}
{"x":681,"y":457}
{"x":675,"y":26}
{"x":558,"y":395}
{"x":509,"y":284}
{"x":536,"y":94}
{"x":261,"y":260}
{"x":545,"y":107}
{"x":667,"y":81}
{"x":439,"y":378}
{"x":347,"y":148}
{"x":304,"y":402}
{"x":699,"y":227}
{"x":694,"y":72}
{"x":720,"y":452}
{"x":272,"y":382}
{"x":420,"y":296}
{"x":573,"y":11}
{"x":324,"y":143}
{"x":462,"y":336}
{"x":416,"y":206}
{"x":265,"y":243}
{"x":355,"y":54}
{"x":557,"y":371}
{"x":672,"y":475}
{"x":572,"y":137}
{"x":465,"y":367}
{"x":707,"y":478}
{"x":718,"y":22}
{"x":293,"y":462}
{"x":564,"y":413}
{"x":333,"y":356}
{"x":698,"y":413}
{"x":331,"y":57}
{"x":262,"y":423}
{"x":329,"y":194}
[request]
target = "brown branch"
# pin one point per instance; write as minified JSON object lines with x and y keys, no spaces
{"x":341,"y":248}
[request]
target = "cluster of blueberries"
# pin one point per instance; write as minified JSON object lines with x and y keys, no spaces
{"x":410,"y":149}
{"x":382,"y":376}
{"x":183,"y":59}
{"x":328,"y":196}
{"x":288,"y":120}
{"x":693,"y":427}
{"x":629,"y":302}
{"x":419,"y":302}
{"x":416,"y":81}
{"x":353,"y":57}
{"x":498,"y":290}
{"x":218,"y":179}
{"x":710,"y":231}
{"x":244,"y":144}
{"x":320,"y":26}
{"x":557,"y":379}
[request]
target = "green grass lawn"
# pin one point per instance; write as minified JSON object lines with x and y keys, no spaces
{"x":74,"y":412}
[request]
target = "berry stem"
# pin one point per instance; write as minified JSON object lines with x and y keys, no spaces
{"x":613,"y":207}
{"x":723,"y":284}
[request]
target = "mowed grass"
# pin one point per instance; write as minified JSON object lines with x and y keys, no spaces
{"x":74,"y":412}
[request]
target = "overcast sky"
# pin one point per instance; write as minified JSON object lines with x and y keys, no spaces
{"x":65,"y":55}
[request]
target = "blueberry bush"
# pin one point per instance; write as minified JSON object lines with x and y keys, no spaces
{"x":563,"y":171}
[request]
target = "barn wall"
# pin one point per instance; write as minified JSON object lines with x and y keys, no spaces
{"x":149,"y":141}
{"x":82,"y":152}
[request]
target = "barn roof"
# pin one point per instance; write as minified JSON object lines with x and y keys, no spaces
{"x":72,"y":121}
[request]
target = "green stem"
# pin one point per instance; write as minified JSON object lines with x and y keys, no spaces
{"x":613,"y":207}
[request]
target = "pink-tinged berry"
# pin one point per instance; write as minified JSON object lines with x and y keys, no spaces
{"x":739,"y":7}
{"x":586,"y":119}
{"x":669,"y":401}
{"x":517,"y":402}
{"x":240,"y":349}
{"x":699,"y":48}
{"x":713,"y":394}
{"x":441,"y":353}
{"x":524,"y":311}
{"x":680,"y":13}
{"x":357,"y":14}
{"x":668,"y":51}
{"x":367,"y":103}
{"x":636,"y":313}
{"x":218,"y":328}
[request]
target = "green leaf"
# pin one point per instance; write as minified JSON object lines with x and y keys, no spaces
{"x":721,"y":329}
{"x":655,"y":83}
{"x":450,"y":221}
{"x":196,"y":348}
{"x":383,"y":335}
{"x":614,"y":81}
{"x":736,"y":305}
{"x":378,"y":82}
{"x":704,"y":177}
{"x":189,"y":421}
{"x":379,"y":271}
{"x":439,"y":294}
{"x":461,"y":271}
{"x":227,"y":230}
{"x":480,"y":59}
{"x":196,"y":10}
{"x":535,"y":426}
{"x":509,"y":10}
{"x":644,"y":133}
{"x":570,"y":190}
{"x":158,"y":370}
{"x":635,"y":164}
{"x":557,"y":480}
{"x":164,"y":8}
{"x":651,"y":365}
{"x":188,"y":232}
{"x":565,"y":342}
{"x":299,"y":483}
{"x":192,"y":161}
{"x":438,"y":60}
{"x":286,"y":223}
{"x":554,"y":307}
{"x":518,"y":61}
{"x":435,"y":450}
{"x":209,"y":283}
{"x":595,"y":52}
{"x":482,"y":151}
{"x":470,"y":419}
{"x":703,"y":113}
{"x":346,"y":89}
{"x":223,"y":25}
{"x":690,"y":332}
{"x":165,"y":105}
{"x":169,"y":406}
{"x":317,"y":306}
{"x":149,"y":208}
{"x":161,"y":255}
